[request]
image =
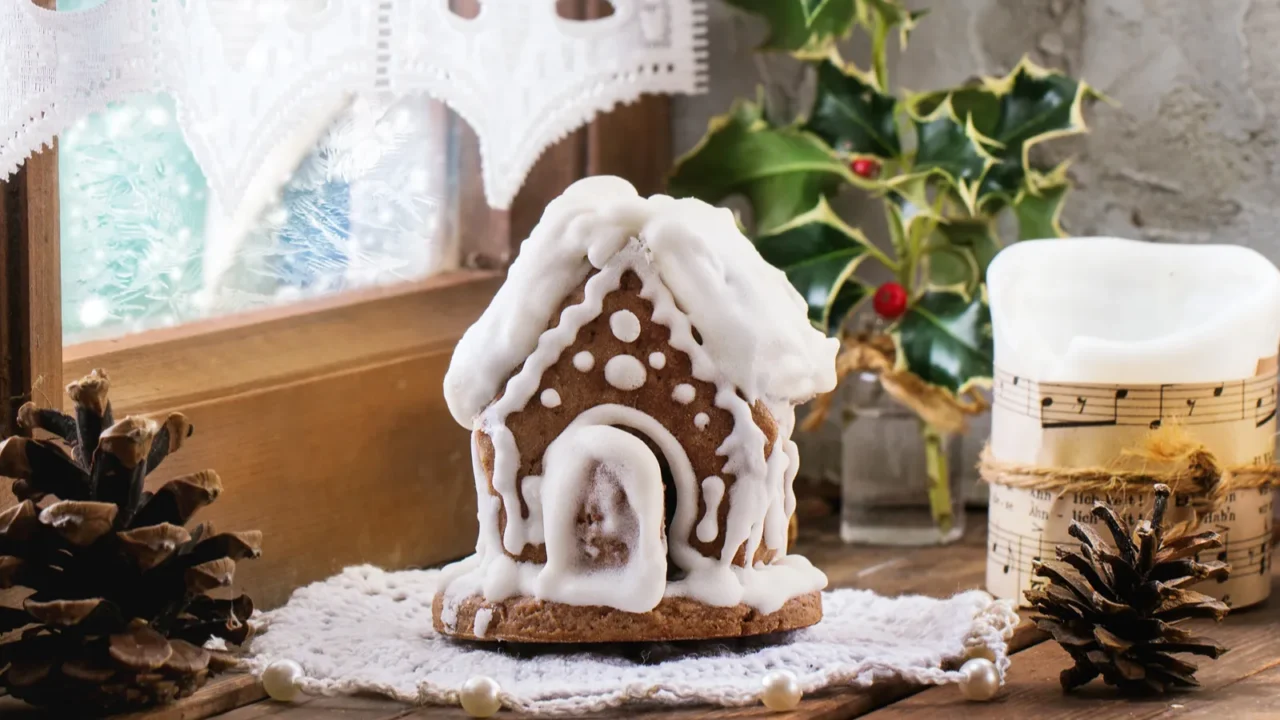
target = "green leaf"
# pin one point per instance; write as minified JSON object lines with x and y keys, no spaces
{"x":1036,"y":104}
{"x":946,"y":339}
{"x":783,"y":172}
{"x":819,"y":255}
{"x":952,"y":268}
{"x":890,"y":14}
{"x":1012,"y":114}
{"x":952,"y":149}
{"x":1039,"y":214}
{"x":852,"y":115}
{"x":808,"y":28}
{"x":977,"y":236}
{"x":1002,"y":183}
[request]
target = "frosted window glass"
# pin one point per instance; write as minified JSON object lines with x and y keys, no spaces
{"x":139,"y":239}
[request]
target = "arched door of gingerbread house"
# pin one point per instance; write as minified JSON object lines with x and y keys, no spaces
{"x":602,"y":514}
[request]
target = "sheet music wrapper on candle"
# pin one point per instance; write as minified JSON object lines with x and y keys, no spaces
{"x":1076,"y":425}
{"x":1147,"y":323}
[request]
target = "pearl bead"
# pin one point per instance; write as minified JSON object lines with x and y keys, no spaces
{"x":280,"y":680}
{"x":980,"y":681}
{"x":479,"y":697}
{"x":781,"y":690}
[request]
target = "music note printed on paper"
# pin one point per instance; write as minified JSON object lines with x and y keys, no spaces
{"x":1089,"y":425}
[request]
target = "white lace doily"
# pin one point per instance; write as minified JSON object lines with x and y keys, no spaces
{"x":248,"y":76}
{"x":367,"y":630}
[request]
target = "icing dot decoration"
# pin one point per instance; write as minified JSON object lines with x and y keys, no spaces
{"x":701,"y":420}
{"x":624,"y":372}
{"x":625,"y":325}
{"x":479,"y":697}
{"x":584,"y":361}
{"x":683,"y":393}
{"x":657,"y":360}
{"x":550,"y":398}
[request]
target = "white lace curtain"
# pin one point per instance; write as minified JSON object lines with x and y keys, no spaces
{"x":256,"y":81}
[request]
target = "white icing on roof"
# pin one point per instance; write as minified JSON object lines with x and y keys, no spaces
{"x":753,"y":323}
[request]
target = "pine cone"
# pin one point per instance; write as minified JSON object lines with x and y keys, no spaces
{"x":1111,"y":607}
{"x":121,"y":607}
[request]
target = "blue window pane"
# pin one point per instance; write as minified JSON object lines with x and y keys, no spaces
{"x":143,"y":247}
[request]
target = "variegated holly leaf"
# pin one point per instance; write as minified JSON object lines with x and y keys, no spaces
{"x":819,"y":254}
{"x":971,"y":244}
{"x":1028,"y":106}
{"x":808,"y":28}
{"x":852,"y":114}
{"x":889,"y":14}
{"x":1039,"y":213}
{"x":783,"y":172}
{"x":945,"y":338}
{"x":953,"y":149}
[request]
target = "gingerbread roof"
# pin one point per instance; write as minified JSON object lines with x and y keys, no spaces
{"x":752,"y":323}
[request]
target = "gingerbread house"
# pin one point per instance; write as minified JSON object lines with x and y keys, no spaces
{"x":631,"y":393}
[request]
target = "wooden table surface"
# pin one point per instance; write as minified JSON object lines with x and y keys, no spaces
{"x":1245,"y":683}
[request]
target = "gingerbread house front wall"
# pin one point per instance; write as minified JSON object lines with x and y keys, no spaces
{"x":623,"y":358}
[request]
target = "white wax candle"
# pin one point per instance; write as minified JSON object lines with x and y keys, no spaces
{"x":1106,"y":310}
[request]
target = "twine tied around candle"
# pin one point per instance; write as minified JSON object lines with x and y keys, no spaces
{"x":1188,"y":468}
{"x":935,"y":405}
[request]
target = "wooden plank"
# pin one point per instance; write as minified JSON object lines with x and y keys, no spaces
{"x":1032,"y":688}
{"x":557,"y":169}
{"x":30,"y":289}
{"x":361,"y":466}
{"x":222,"y":694}
{"x":631,"y":141}
{"x":170,"y":368}
{"x":335,"y":708}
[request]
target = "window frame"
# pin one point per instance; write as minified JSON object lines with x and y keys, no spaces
{"x":341,"y":452}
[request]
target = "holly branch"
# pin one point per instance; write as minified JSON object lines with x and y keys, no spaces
{"x":947,"y":165}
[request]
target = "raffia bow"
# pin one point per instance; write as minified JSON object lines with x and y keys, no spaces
{"x":1167,"y":455}
{"x":936,"y":406}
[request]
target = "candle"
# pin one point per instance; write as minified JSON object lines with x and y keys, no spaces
{"x":1101,"y":341}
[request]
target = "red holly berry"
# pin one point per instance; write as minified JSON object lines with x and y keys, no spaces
{"x":865,"y":167}
{"x":890,"y":301}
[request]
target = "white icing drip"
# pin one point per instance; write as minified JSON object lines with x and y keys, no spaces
{"x":484,"y":616}
{"x":657,"y":360}
{"x":550,"y":398}
{"x":712,"y":492}
{"x":684,"y":393}
{"x":755,"y":331}
{"x":625,"y":325}
{"x":584,"y":361}
{"x":701,"y":420}
{"x":531,"y":488}
{"x":624,"y":372}
{"x":570,"y":481}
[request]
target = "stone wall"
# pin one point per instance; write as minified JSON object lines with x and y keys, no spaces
{"x":1187,"y":154}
